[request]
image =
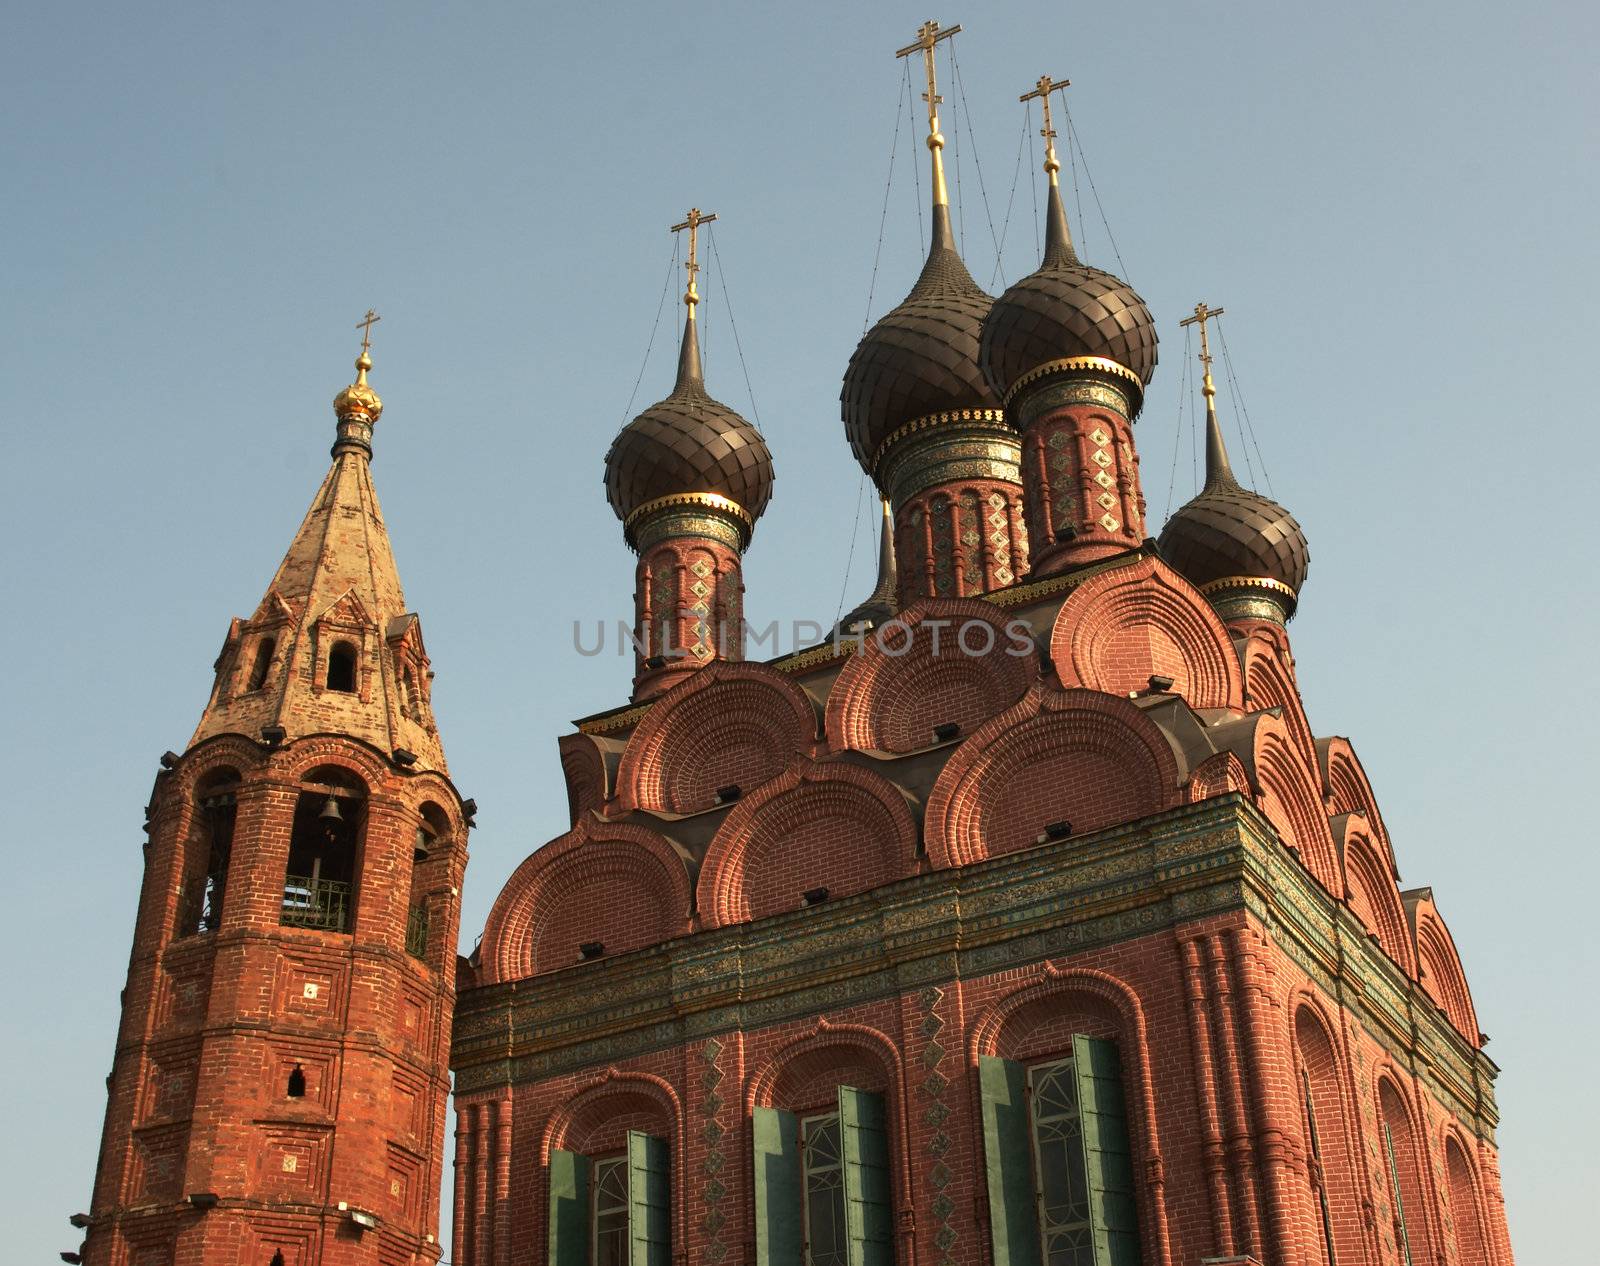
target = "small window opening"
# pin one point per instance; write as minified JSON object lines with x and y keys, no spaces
{"x":265,"y":649}
{"x":408,"y":693}
{"x":342,"y":668}
{"x":319,"y":882}
{"x":609,"y":1215}
{"x":297,"y":1083}
{"x":277,"y":1260}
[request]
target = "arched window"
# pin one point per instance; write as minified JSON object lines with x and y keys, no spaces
{"x":427,"y":869}
{"x":319,"y":882}
{"x":1402,"y":1172}
{"x":1332,"y":1177}
{"x":1059,"y":1159}
{"x":604,"y":1209}
{"x":342,"y":668}
{"x":408,"y":694}
{"x":265,"y":649}
{"x":1466,"y":1215}
{"x":822,"y":1183}
{"x":215,"y":811}
{"x":297,"y":1083}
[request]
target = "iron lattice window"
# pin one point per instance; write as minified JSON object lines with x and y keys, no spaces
{"x":417,"y":932}
{"x":609,"y":1217}
{"x":822,"y":1167}
{"x":1066,"y":1229}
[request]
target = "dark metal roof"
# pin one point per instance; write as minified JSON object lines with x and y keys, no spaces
{"x":921,"y":358}
{"x":1230,"y":531}
{"x":688,"y":443}
{"x":1065,"y":309}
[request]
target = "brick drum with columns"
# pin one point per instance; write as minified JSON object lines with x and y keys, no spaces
{"x":1028,"y":921}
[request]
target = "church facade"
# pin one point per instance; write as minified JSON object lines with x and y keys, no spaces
{"x":1025,"y":921}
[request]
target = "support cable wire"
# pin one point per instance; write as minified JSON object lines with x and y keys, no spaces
{"x":1177,"y":436}
{"x":1033,"y":185}
{"x":866,"y":319}
{"x":916,"y":173}
{"x":977,"y":160}
{"x":727,"y":306}
{"x":1238,"y":397}
{"x":1072,"y":137}
{"x":955,"y":143}
{"x":1005,"y":229}
{"x":666,"y":285}
{"x":1077,"y":185}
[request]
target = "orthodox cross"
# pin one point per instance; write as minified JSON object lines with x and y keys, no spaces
{"x":1202,"y":314}
{"x":692,"y":222}
{"x":365,"y":326}
{"x":1042,"y":90}
{"x":928,"y":35}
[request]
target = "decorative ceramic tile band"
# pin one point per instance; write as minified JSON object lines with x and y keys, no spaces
{"x":686,"y":500}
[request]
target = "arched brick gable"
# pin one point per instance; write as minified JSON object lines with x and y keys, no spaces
{"x":615,"y":883}
{"x":728,"y":724}
{"x":890,"y":696}
{"x":1217,"y":776}
{"x":225,"y":750}
{"x":1318,"y":1066}
{"x":1286,"y":791}
{"x":1346,"y":789}
{"x":1370,"y":888}
{"x":830,"y":825}
{"x":1121,"y":627}
{"x":587,"y":766}
{"x":1095,"y":995}
{"x":1438,"y":965}
{"x":1269,"y":683}
{"x":1088,"y":758}
{"x":1467,"y":1222}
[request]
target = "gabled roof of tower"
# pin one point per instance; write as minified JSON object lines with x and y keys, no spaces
{"x":337,"y":584}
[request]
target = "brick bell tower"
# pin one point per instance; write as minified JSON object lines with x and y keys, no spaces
{"x":278,"y":1092}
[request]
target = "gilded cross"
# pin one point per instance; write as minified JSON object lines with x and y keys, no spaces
{"x":929,"y":35}
{"x":365,"y":326}
{"x":1202,"y":314}
{"x":1042,"y":90}
{"x":692,"y":222}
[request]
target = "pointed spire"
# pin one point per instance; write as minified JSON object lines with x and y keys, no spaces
{"x":880,"y":605}
{"x":691,"y":377}
{"x":929,"y":35}
{"x":1219,"y":472}
{"x":337,"y":586}
{"x":1058,"y":247}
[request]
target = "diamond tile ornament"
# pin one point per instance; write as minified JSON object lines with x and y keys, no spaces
{"x":1100,"y":457}
{"x":1110,"y":524}
{"x":936,"y":1115}
{"x":715,"y":1191}
{"x":939,"y":1144}
{"x":935,"y":1083}
{"x":710,"y":1078}
{"x":932,"y":1053}
{"x":714,"y":1162}
{"x":942,"y":1207}
{"x":711,"y":1133}
{"x":945,"y":1238}
{"x":1103,"y":479}
{"x":939,"y":1176}
{"x":711,"y":1050}
{"x":713,"y":1103}
{"x":931,"y":1025}
{"x":1105,"y":500}
{"x":1099,"y":437}
{"x":702,"y":568}
{"x":717,"y":1251}
{"x":714,"y":1221}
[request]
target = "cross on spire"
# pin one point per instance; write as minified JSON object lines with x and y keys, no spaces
{"x":1202,"y":314}
{"x":1042,"y":90}
{"x":928,"y":36}
{"x":365,"y":326}
{"x":692,"y":222}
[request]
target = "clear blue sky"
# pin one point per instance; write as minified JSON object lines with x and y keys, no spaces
{"x":1394,"y":203}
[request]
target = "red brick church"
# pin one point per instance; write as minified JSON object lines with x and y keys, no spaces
{"x":1025,"y":920}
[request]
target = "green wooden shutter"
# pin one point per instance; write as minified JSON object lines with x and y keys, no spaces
{"x":779,"y":1236}
{"x":648,"y":1201}
{"x":864,"y":1141}
{"x":1013,"y":1215}
{"x":1108,"y":1158}
{"x":569,"y":1209}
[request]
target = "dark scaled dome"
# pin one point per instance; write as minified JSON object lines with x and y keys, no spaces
{"x":688,"y":444}
{"x":921,"y":358}
{"x":1063,"y":310}
{"x":1228,"y":533}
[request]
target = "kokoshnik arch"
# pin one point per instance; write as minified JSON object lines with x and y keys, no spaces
{"x":1086,"y":956}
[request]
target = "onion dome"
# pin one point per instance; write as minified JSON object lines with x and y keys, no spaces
{"x":1064,"y":314}
{"x":1245,"y":552}
{"x":358,"y":407}
{"x":921,"y":358}
{"x":689,"y":449}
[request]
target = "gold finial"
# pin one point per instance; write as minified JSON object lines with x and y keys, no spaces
{"x":692,"y":222}
{"x":359,"y":402}
{"x":1042,"y":90}
{"x":928,"y":35}
{"x":1202,"y":314}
